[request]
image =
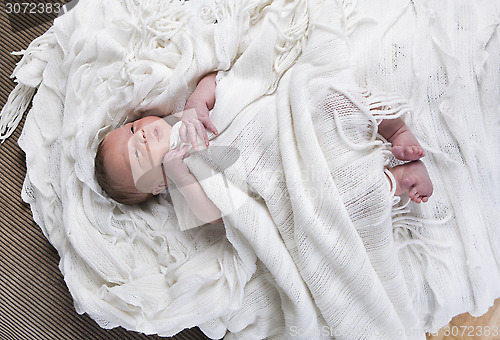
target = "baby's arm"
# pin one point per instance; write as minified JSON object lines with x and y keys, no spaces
{"x":202,"y":100}
{"x":204,"y":94}
{"x":198,"y":200}
{"x":178,"y":172}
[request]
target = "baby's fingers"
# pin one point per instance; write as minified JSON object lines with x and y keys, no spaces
{"x":184,"y":150}
{"x":202,"y":132}
{"x":193,"y":139}
{"x":209,"y":125}
{"x":183,"y":133}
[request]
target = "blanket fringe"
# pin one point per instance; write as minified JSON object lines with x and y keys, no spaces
{"x":351,"y":17}
{"x":293,"y":39}
{"x":155,"y":24}
{"x":408,"y":235}
{"x":28,"y":74}
{"x":387,"y":105}
{"x":14,"y":109}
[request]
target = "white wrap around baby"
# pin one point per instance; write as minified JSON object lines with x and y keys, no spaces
{"x":175,"y":139}
{"x":209,"y":178}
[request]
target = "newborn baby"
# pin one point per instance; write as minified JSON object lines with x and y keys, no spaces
{"x":141,"y":158}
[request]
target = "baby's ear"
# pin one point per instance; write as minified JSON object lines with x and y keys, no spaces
{"x":162,"y":186}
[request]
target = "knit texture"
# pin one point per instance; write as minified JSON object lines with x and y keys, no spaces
{"x":313,"y":243}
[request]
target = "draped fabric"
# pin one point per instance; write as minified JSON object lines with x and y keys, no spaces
{"x":315,"y":245}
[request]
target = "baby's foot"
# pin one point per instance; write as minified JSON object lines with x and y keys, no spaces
{"x":405,"y":145}
{"x":413,"y":178}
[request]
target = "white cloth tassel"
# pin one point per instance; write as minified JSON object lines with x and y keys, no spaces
{"x":13,"y":110}
{"x":387,"y":105}
{"x":28,"y":75}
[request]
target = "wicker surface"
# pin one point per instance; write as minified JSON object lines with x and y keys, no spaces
{"x":34,"y":300}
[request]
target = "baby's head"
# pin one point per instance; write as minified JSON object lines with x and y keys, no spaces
{"x":128,"y":160}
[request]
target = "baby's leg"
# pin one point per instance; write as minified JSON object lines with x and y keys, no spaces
{"x":405,"y":145}
{"x":413,"y":178}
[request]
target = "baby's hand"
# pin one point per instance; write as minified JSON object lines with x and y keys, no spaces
{"x":173,"y":165}
{"x":195,"y":120}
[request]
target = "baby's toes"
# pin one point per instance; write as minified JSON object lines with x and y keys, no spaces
{"x":419,"y":151}
{"x":413,"y":194}
{"x":408,"y":153}
{"x":419,"y":193}
{"x":414,"y":152}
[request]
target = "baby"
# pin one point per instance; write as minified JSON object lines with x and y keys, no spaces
{"x":141,"y":158}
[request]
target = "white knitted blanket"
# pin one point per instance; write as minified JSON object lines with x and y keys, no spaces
{"x":317,"y":246}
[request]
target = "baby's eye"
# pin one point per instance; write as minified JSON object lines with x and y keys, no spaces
{"x":132,"y":128}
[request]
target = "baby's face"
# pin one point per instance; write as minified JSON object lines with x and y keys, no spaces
{"x":135,"y":152}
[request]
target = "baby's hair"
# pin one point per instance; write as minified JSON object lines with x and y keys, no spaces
{"x":119,"y":191}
